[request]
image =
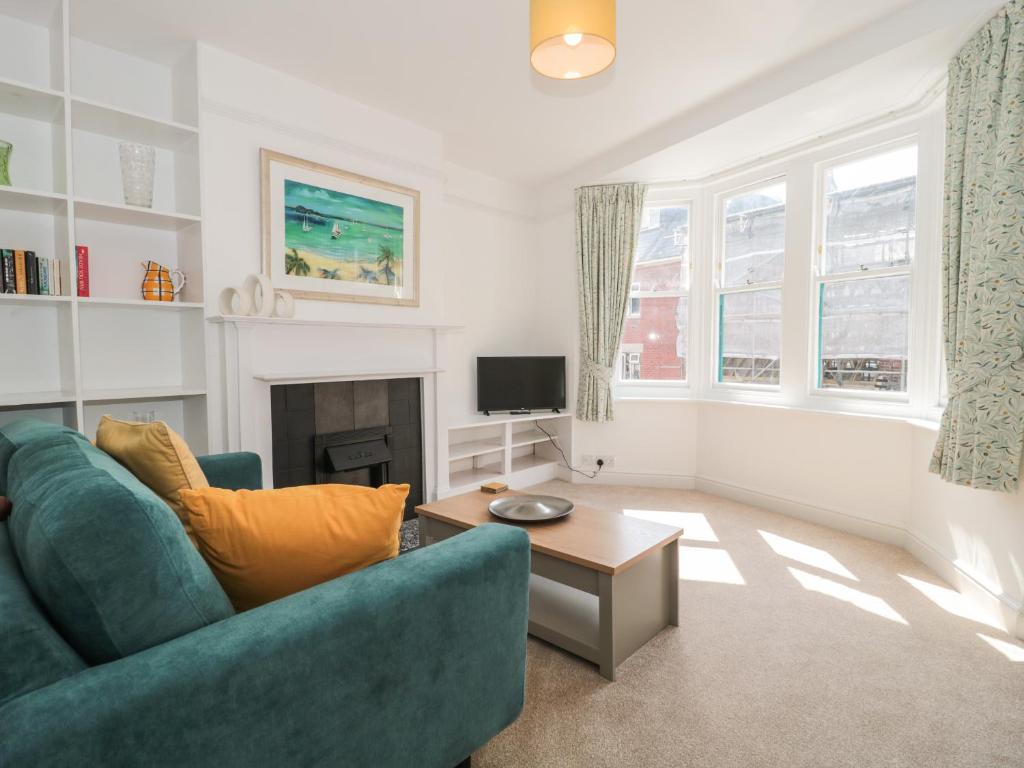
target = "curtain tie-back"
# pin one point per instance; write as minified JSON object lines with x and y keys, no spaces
{"x":595,"y":370}
{"x":964,"y":381}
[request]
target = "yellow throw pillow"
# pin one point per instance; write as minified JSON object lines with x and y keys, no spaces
{"x":157,"y":456}
{"x":264,"y":545}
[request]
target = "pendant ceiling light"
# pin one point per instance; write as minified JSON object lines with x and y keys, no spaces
{"x":570,"y":39}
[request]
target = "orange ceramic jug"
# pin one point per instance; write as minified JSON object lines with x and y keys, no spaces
{"x":158,"y":284}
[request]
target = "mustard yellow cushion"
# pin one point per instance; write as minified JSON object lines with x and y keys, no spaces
{"x":156,"y":455}
{"x":264,"y":545}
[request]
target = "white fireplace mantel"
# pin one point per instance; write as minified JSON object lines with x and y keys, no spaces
{"x":261,"y":352}
{"x":313,"y":378}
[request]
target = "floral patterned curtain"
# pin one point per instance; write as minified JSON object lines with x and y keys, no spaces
{"x":982,"y":429}
{"x":607,"y":225}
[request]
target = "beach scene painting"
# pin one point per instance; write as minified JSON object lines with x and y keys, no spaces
{"x":335,"y":236}
{"x":329,"y":234}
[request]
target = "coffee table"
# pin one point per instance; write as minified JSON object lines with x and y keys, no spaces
{"x":602,"y":584}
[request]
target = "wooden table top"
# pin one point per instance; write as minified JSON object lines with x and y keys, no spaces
{"x":598,"y":539}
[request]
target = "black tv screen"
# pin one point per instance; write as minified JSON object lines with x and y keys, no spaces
{"x":520,"y":383}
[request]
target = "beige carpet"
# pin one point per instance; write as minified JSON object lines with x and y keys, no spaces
{"x":798,"y":646}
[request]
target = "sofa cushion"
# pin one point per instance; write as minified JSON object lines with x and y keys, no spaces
{"x":264,"y":545}
{"x":105,"y":556}
{"x":155,"y":454}
{"x":19,"y":433}
{"x":32,"y":654}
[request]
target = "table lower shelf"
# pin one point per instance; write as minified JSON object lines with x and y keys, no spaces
{"x":565,"y":617}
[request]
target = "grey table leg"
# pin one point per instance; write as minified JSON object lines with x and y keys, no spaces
{"x":606,"y":625}
{"x":635,"y":605}
{"x":672,"y":578}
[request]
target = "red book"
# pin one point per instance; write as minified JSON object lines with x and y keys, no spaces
{"x":82,"y":256}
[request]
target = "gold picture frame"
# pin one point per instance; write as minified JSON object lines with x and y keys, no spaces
{"x":333,"y":235}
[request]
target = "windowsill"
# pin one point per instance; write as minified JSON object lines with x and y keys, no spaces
{"x":867,"y":408}
{"x":651,"y":390}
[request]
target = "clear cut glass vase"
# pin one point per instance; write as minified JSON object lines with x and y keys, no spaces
{"x":138,"y":165}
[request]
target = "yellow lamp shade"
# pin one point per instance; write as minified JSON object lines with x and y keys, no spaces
{"x":570,"y":39}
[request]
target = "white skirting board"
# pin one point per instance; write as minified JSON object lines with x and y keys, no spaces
{"x":997,"y":606}
{"x":869,"y":529}
{"x":643,"y":479}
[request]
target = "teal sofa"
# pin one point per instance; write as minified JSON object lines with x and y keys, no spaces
{"x":119,"y":648}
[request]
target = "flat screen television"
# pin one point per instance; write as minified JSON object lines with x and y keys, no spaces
{"x":520,"y":383}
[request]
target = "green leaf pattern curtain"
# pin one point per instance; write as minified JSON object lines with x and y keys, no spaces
{"x":607,"y":225}
{"x":982,"y":429}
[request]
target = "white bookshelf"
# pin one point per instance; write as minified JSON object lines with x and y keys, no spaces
{"x":67,"y":98}
{"x":505,"y":448}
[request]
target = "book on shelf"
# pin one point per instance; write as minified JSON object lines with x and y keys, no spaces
{"x":44,"y":277}
{"x":82,"y":257}
{"x":7,"y":271}
{"x":57,"y":283}
{"x":31,"y":273}
{"x":19,"y":272}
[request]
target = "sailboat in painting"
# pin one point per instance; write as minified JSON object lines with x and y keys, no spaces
{"x":336,"y":231}
{"x":306,"y":226}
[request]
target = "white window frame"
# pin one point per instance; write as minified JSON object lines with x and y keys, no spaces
{"x":719,"y":289}
{"x":628,"y":349}
{"x":645,"y":219}
{"x":819,"y":278}
{"x":634,"y":294}
{"x":652,"y":389}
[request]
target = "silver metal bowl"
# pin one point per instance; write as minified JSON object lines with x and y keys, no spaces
{"x":530,"y":509}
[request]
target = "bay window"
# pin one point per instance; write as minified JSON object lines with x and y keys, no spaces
{"x":862,"y":272}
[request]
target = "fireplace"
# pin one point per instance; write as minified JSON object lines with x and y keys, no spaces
{"x":353,"y":432}
{"x":337,"y":453}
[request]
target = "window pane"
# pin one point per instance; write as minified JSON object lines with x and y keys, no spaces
{"x":750,"y":336}
{"x":654,"y":335}
{"x":754,"y":240}
{"x":863,"y":334}
{"x":657,"y":337}
{"x":662,"y":250}
{"x":870,"y":207}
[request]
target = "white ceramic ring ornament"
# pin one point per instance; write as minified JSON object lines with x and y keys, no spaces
{"x":261,"y":294}
{"x":284,"y":304}
{"x":234,"y":302}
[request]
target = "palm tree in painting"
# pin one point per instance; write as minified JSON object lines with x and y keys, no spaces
{"x":295,"y":264}
{"x":385,"y":262}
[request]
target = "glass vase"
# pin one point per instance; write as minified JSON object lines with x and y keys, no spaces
{"x":138,"y":164}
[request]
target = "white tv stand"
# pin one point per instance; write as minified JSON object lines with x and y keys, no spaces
{"x":505,"y":448}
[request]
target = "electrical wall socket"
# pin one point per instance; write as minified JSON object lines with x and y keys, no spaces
{"x":590,"y":460}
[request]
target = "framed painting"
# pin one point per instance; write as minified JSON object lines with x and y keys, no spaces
{"x":338,"y":236}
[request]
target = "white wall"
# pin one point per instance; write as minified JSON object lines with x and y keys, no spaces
{"x":477,"y":234}
{"x":652,"y":442}
{"x":490,"y":245}
{"x":980,"y":532}
{"x":853,"y":466}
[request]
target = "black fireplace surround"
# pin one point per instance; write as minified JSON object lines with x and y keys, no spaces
{"x":354,"y":432}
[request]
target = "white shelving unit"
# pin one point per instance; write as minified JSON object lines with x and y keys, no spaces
{"x":509,"y":449}
{"x":67,"y":99}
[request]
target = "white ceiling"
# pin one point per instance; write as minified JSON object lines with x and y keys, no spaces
{"x":461,"y":66}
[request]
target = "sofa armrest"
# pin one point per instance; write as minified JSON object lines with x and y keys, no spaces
{"x":417,"y":661}
{"x":233,"y":471}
